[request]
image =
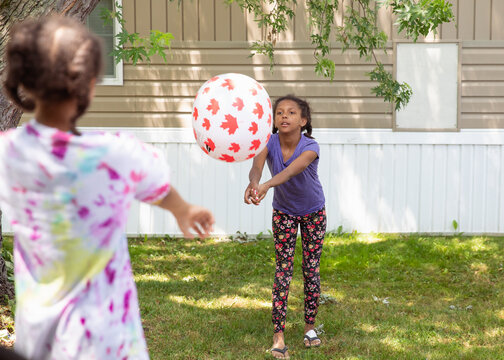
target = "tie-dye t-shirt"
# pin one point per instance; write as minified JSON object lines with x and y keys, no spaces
{"x":67,"y":198}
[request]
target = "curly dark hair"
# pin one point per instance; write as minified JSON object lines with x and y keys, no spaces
{"x":52,"y":58}
{"x":305,"y":113}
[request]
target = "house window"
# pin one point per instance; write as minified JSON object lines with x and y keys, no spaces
{"x":112,"y":72}
{"x":432,"y":70}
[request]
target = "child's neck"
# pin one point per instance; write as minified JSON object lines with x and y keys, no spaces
{"x":289,"y":140}
{"x":57,"y":115}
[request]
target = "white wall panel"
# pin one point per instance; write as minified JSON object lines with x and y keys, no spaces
{"x":374,"y":181}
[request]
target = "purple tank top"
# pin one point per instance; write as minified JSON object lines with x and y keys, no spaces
{"x":303,"y":193}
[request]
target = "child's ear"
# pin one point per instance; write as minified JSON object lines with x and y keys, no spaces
{"x":304,"y":121}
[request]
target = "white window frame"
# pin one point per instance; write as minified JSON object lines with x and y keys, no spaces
{"x":116,"y":80}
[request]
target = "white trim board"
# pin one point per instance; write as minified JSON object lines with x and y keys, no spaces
{"x":337,"y":136}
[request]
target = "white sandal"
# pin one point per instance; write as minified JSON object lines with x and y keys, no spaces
{"x":311,"y":336}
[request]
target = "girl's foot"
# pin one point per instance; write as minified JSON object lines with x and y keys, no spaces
{"x":311,"y":339}
{"x":279,"y":350}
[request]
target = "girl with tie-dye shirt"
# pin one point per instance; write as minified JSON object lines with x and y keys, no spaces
{"x":67,"y":195}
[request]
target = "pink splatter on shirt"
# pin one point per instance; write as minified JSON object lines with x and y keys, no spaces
{"x":67,"y":197}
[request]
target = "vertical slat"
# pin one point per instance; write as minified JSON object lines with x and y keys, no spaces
{"x":412,"y":210}
{"x":400,"y":186}
{"x":222,"y":21}
{"x":360,"y":194}
{"x":129,"y":15}
{"x":144,"y":218}
{"x":208,"y":184}
{"x":482,"y":19}
{"x":221,"y":194}
{"x":246,"y":210}
{"x":375,"y":161}
{"x":174,"y":19}
{"x":341,"y":12}
{"x":426,"y":188}
{"x":466,"y":188}
{"x":288,"y":35}
{"x":395,"y":33}
{"x":384,"y":21}
{"x":479,"y":181}
{"x":497,"y":20}
{"x":501,"y":190}
{"x":132,"y":222}
{"x":324,"y":168}
{"x":173,"y":158}
{"x":238,"y":23}
{"x":386,"y":208}
{"x":449,"y":30}
{"x":143,"y":17}
{"x":301,"y":22}
{"x":157,"y":225}
{"x":158,"y":14}
{"x":439,"y":189}
{"x":206,"y":20}
{"x":191,"y":20}
{"x":197,"y":186}
{"x":253,"y":30}
{"x":233,"y":190}
{"x":492,"y":189}
{"x":466,"y":20}
{"x":453,"y":186}
{"x":348,"y":181}
{"x":332,"y":187}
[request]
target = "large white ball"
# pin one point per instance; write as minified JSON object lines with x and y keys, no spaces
{"x":232,"y":117}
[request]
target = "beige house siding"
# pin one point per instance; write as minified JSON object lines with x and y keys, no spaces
{"x":213,"y":38}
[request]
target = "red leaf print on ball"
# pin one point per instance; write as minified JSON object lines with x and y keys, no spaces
{"x":210,"y":146}
{"x":253,"y":128}
{"x":234,"y":147}
{"x":269,"y":120}
{"x":227,"y":158}
{"x":213,"y":79}
{"x":194,"y":132}
{"x":230,"y":124}
{"x":259,"y":86}
{"x":195,"y":114}
{"x":269,"y":103}
{"x":238,"y":104}
{"x":204,"y":150}
{"x":250,"y":156}
{"x":213,"y":107}
{"x":229,"y":84}
{"x":206,"y":90}
{"x":253,"y":91}
{"x":267,"y":139}
{"x":206,"y":124}
{"x":258,"y":111}
{"x":255,"y":144}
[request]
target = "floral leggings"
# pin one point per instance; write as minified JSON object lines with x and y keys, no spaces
{"x":313,"y":227}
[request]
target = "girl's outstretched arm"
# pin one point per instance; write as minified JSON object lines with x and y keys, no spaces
{"x":255,"y":174}
{"x":296,"y":167}
{"x":189,"y":217}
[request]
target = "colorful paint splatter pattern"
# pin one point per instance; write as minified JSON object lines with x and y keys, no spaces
{"x":67,"y":198}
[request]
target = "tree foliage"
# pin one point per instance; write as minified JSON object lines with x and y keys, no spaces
{"x":131,"y":46}
{"x":359,"y":30}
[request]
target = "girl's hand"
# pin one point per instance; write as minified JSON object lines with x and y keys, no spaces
{"x":250,"y":196}
{"x":261,"y":192}
{"x":189,"y":217}
{"x":195,"y":218}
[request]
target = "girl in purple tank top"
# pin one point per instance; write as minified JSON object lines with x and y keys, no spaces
{"x":292,"y":155}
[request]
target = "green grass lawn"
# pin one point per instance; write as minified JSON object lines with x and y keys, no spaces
{"x":396,"y":297}
{"x":211,"y":300}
